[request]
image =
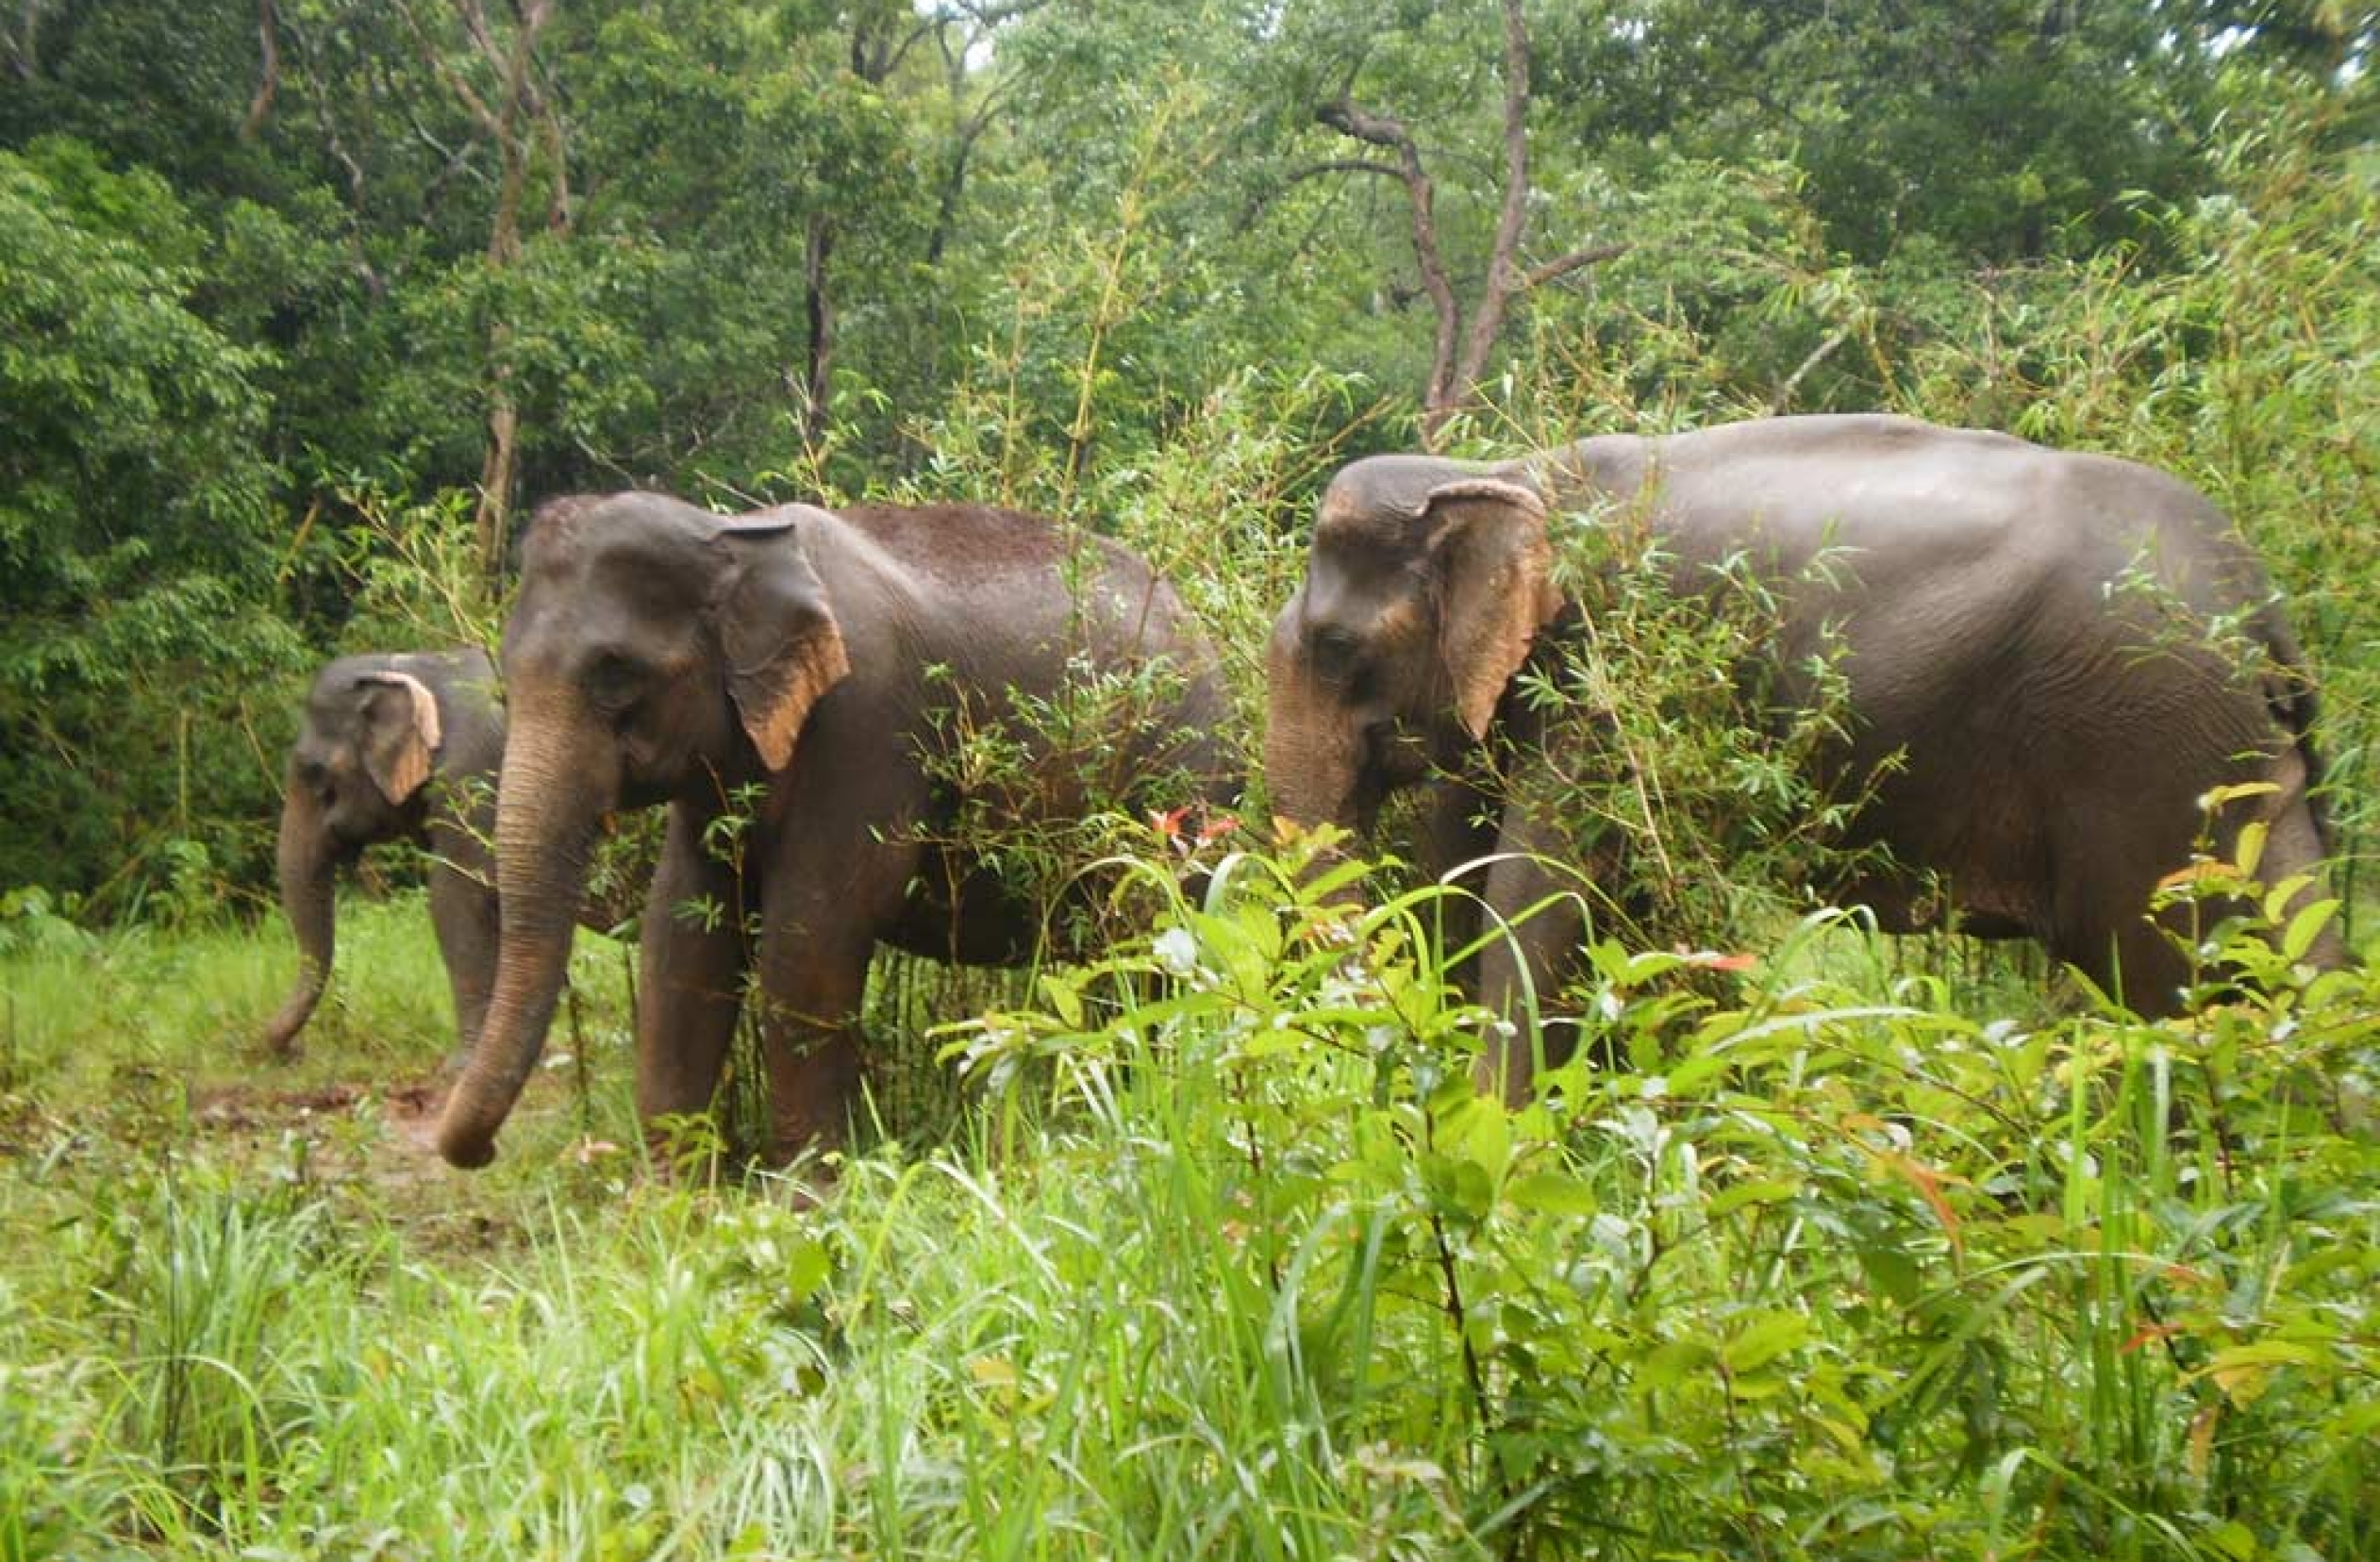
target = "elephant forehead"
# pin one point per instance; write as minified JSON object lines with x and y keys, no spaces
{"x":1383,"y":500}
{"x":652,"y":529}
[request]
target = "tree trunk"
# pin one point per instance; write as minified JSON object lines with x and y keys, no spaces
{"x":1460,"y":348}
{"x":817,"y":379}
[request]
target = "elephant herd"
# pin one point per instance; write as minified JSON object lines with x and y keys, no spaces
{"x":2049,"y":659}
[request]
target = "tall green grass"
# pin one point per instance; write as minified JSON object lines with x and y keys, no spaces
{"x":1237,"y":1265}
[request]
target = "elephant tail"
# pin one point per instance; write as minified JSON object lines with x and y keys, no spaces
{"x":2288,"y":693}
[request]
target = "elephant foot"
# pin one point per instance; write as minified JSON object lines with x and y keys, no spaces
{"x":813,"y":1084}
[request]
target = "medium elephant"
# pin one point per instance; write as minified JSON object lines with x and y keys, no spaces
{"x":2036,"y":687}
{"x":802,"y":672}
{"x":395,"y":747}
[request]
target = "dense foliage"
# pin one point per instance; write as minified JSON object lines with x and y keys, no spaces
{"x":275,"y":272}
{"x":1233,"y":1262}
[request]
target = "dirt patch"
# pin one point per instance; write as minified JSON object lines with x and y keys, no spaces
{"x":245,"y":1108}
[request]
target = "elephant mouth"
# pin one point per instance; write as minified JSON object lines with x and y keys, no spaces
{"x":1400,"y":755}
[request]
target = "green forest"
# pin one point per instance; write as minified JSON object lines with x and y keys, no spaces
{"x":1195,"y":1237}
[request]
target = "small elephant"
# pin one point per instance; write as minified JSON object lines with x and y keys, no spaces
{"x":2038,"y":734}
{"x":798,"y":672}
{"x":395,"y":747}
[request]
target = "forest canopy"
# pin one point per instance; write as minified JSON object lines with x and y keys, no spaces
{"x":304,"y":301}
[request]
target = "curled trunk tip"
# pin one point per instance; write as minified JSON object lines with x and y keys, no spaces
{"x":545,"y":819}
{"x":306,"y":865}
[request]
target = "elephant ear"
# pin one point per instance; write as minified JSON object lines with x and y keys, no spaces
{"x":1495,"y":567}
{"x":400,"y":732}
{"x":778,"y":629}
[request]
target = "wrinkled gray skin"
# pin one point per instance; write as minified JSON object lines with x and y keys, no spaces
{"x":2057,"y":720}
{"x":399,"y":747}
{"x":660,"y":654}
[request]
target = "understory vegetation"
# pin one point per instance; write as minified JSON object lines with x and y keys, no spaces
{"x":1228,"y":1259}
{"x":1820,"y":1245}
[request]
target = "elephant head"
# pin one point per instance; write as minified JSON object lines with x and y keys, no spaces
{"x":1425,"y":585}
{"x":656,"y":650}
{"x":355,"y":777}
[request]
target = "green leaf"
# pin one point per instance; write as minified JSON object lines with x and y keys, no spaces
{"x":1768,"y":1190}
{"x":1769,"y":1337}
{"x":2306,"y":927}
{"x":1060,"y":992}
{"x":1669,"y":1364}
{"x":1552,"y":1193}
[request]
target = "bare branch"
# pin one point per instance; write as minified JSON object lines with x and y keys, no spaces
{"x":1818,"y":354}
{"x":1504,"y":280}
{"x":268,"y":86}
{"x":1379,"y":129}
{"x":1593,"y":255}
{"x":1385,"y":130}
{"x":1262,"y":201}
{"x":25,"y":50}
{"x":462,"y":89}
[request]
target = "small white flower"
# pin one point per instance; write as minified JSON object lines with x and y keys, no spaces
{"x":1177,"y":951}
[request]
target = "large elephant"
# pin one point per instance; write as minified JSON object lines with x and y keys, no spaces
{"x":395,"y":747}
{"x":2026,"y":634}
{"x":801,"y":669}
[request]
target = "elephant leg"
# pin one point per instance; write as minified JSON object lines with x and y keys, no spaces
{"x":814,"y":977}
{"x":1536,"y":920}
{"x":463,"y":914}
{"x":2293,"y":847}
{"x":2114,"y":941}
{"x":1454,"y":830}
{"x":2100,"y":921}
{"x":691,"y":948}
{"x":829,"y":901}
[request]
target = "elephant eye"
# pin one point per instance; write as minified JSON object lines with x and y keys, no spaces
{"x":1334,"y":652}
{"x":614,"y":683}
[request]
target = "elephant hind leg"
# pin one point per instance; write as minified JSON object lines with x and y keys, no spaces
{"x":2294,"y":847}
{"x":2100,"y":919}
{"x":2104,"y":927}
{"x":2131,"y":959}
{"x":2154,"y":963}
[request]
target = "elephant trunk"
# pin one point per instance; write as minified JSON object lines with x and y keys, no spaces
{"x":308,"y":865}
{"x":549,"y":798}
{"x":1313,"y":747}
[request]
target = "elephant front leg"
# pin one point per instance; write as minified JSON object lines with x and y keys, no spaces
{"x":463,"y":914}
{"x":1457,"y":830}
{"x":693,"y":954}
{"x":1536,"y":920}
{"x":814,"y":979}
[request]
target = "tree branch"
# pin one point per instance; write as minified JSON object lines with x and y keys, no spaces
{"x":1379,"y":129}
{"x":1593,"y":255}
{"x":1386,"y":131}
{"x":1262,"y":201}
{"x":268,"y":86}
{"x":1504,"y":280}
{"x":25,"y":51}
{"x":462,"y":89}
